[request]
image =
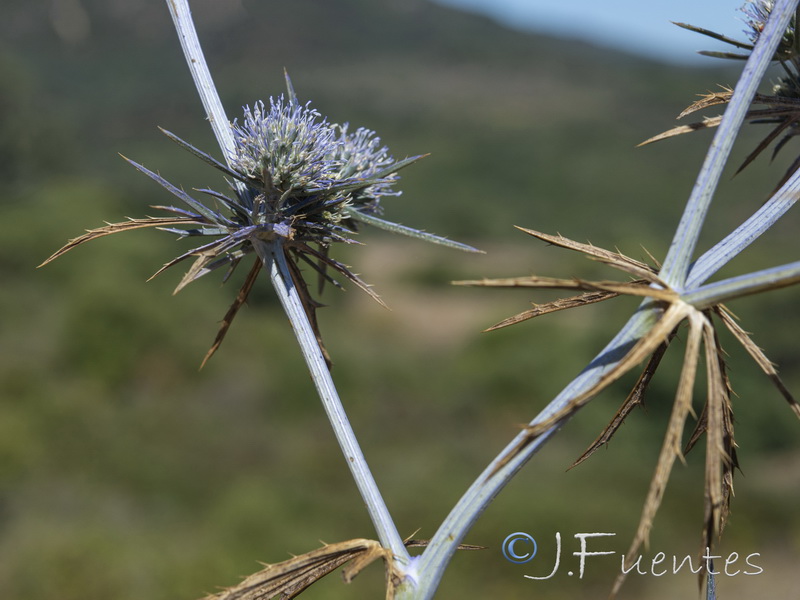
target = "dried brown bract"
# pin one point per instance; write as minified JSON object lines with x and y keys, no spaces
{"x":673,"y":312}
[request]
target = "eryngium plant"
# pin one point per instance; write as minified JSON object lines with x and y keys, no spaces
{"x":676,"y":295}
{"x":298,"y":184}
{"x":306,"y":183}
{"x":301,"y":184}
{"x":780,"y":108}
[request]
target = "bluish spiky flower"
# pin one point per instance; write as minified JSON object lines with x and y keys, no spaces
{"x":756,"y":14}
{"x":362,"y":155}
{"x":780,"y":108}
{"x":307,"y":182}
{"x":287,"y":146}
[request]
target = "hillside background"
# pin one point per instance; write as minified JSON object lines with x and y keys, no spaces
{"x":127,"y":473}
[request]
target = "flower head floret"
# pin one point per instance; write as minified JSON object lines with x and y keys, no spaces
{"x":309,"y":174}
{"x":362,"y":155}
{"x":291,"y":144}
{"x":756,"y":14}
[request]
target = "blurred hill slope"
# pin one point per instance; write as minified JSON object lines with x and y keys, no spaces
{"x":125,"y":473}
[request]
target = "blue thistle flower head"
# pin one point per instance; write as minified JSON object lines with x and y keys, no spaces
{"x":361,"y":154}
{"x":288,"y":147}
{"x":307,"y":183}
{"x":756,"y":14}
{"x":312,"y":175}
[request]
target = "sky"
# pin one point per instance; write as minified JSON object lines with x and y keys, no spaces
{"x":639,"y":26}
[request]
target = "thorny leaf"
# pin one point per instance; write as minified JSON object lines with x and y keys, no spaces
{"x":611,"y":288}
{"x":716,"y":420}
{"x":782,"y":109}
{"x":716,"y":36}
{"x":708,"y":99}
{"x":110,"y":228}
{"x":341,"y":268}
{"x":240,"y":299}
{"x":310,"y":306}
{"x":289,"y":578}
{"x":554,"y":306}
{"x":706,"y":123}
{"x":758,"y":356}
{"x":719,"y":452}
{"x":671,"y":448}
{"x":613,"y":259}
{"x":634,"y":399}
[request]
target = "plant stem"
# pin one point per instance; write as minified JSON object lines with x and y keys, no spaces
{"x":493,"y":479}
{"x":744,"y":235}
{"x":272,"y":256}
{"x":182,"y":17}
{"x":275,"y":263}
{"x":676,"y":264}
{"x":743,"y":285}
{"x":674,"y":272}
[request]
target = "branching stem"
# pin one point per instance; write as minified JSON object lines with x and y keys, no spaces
{"x":272,"y":256}
{"x":676,"y":264}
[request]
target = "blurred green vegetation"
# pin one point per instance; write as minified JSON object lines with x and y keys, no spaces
{"x":127,"y":473}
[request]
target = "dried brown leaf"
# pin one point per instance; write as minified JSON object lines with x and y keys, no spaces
{"x":699,"y":429}
{"x":702,"y":420}
{"x":708,"y":99}
{"x":629,"y":288}
{"x":614,"y":259}
{"x":716,"y":453}
{"x":706,"y":123}
{"x":112,"y":228}
{"x":555,"y":306}
{"x":721,"y":459}
{"x":310,"y":306}
{"x":633,"y":288}
{"x":758,"y":356}
{"x":240,"y":299}
{"x":634,"y":399}
{"x":645,"y":346}
{"x":289,"y":578}
{"x":532,"y":281}
{"x":671,"y":448}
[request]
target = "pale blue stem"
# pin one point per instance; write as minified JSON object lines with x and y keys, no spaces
{"x":184,"y":25}
{"x":272,"y":256}
{"x":743,"y":285}
{"x":675,"y":268}
{"x":744,"y":235}
{"x":433,"y":562}
{"x":275,"y":263}
{"x":430,"y":567}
